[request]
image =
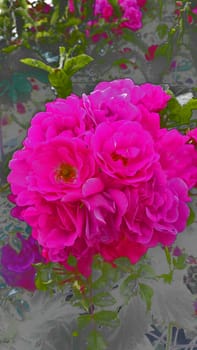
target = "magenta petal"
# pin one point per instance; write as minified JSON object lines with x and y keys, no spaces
{"x":92,"y":186}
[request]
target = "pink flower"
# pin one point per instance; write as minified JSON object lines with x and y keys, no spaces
{"x":103,"y":8}
{"x":79,"y":250}
{"x":71,"y":6}
{"x":98,"y":175}
{"x":141,"y":3}
{"x":178,"y":157}
{"x":20,"y":108}
{"x":192,"y":137}
{"x":104,"y":216}
{"x":189,"y":19}
{"x":57,"y":169}
{"x":131,"y":13}
{"x":194,"y":10}
{"x":132,"y":18}
{"x":155,"y":98}
{"x":124,"y":248}
{"x":159,"y":211}
{"x":150,"y":55}
{"x":124,"y":151}
{"x":123,"y":66}
{"x":62,"y":117}
{"x":55,"y":225}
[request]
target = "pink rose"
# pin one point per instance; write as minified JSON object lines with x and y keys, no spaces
{"x":178,"y":157}
{"x":56,"y":169}
{"x":124,"y":151}
{"x":62,"y":117}
{"x":55,"y":224}
{"x":155,"y":98}
{"x":104,"y":217}
{"x":159,"y":211}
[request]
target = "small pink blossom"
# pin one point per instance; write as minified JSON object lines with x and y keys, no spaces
{"x":150,"y":55}
{"x":20,"y":108}
{"x":194,"y":10}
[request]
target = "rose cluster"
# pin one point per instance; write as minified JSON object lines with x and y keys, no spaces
{"x":130,"y":9}
{"x":98,"y":175}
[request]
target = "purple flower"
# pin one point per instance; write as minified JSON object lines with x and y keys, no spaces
{"x":16,"y":268}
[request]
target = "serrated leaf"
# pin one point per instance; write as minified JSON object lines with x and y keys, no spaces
{"x":95,"y":341}
{"x":106,"y":318}
{"x":146,"y":293}
{"x":74,"y":64}
{"x":37,"y":64}
{"x":104,"y":299}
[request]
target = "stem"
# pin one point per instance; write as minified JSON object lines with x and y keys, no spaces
{"x":169,"y":335}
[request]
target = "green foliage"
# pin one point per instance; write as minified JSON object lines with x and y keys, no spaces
{"x":104,"y":299}
{"x":146,"y":293}
{"x":61,"y":82}
{"x":191,"y":218}
{"x":180,"y":262}
{"x":106,"y":318}
{"x":177,"y":115}
{"x":116,"y":7}
{"x":60,"y":78}
{"x":162,"y":30}
{"x":95,"y":341}
{"x":74,"y":64}
{"x":37,"y":64}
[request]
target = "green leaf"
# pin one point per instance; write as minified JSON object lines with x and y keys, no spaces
{"x":167,"y":277}
{"x":146,"y":293}
{"x":107,"y":318}
{"x":61,"y":82}
{"x":123,"y":263}
{"x":84,"y":320}
{"x":168,"y":256}
{"x":10,"y":48}
{"x":104,"y":299}
{"x":179,"y":262}
{"x":187,"y":109}
{"x":72,"y":261}
{"x":116,"y":7}
{"x":74,"y":64}
{"x":37,"y":64}
{"x":95,"y":341}
{"x":164,"y":50}
{"x":162,"y":30}
{"x":191,"y":218}
{"x":55,"y":15}
{"x":21,"y":84}
{"x":128,"y":286}
{"x":39,"y":282}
